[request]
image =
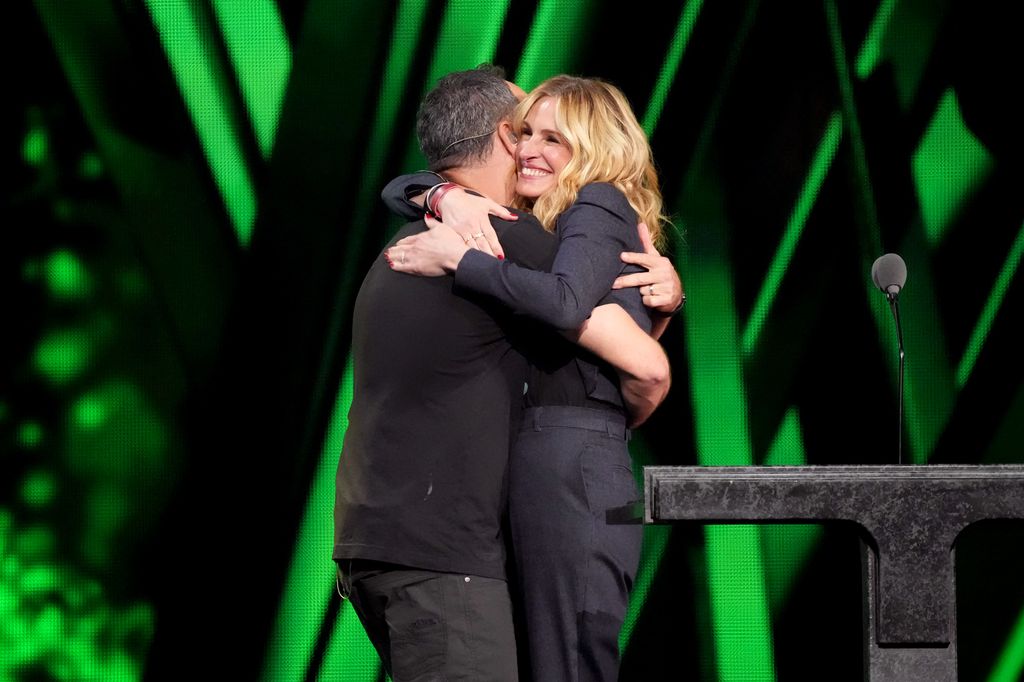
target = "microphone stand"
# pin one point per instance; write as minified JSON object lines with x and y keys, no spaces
{"x":893,"y":297}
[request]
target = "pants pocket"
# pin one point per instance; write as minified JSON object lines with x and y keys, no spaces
{"x":417,"y":624}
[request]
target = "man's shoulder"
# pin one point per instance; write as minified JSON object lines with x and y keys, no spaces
{"x":525,"y":241}
{"x":406,"y":229}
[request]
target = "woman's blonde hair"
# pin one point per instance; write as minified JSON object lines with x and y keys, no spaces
{"x":607,"y":144}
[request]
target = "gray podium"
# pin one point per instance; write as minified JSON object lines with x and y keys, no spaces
{"x":910,"y":515}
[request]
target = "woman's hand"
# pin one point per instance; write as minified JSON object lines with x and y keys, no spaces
{"x":431,"y":254}
{"x":468,"y":214}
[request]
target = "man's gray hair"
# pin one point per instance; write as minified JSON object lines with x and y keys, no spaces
{"x":457,"y":118}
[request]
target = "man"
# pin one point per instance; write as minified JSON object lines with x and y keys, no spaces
{"x":420,"y":489}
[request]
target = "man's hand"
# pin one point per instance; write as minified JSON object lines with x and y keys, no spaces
{"x":660,"y":285}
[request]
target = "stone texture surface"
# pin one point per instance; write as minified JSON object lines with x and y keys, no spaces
{"x":910,"y":517}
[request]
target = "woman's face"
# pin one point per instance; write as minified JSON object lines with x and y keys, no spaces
{"x":541,"y":152}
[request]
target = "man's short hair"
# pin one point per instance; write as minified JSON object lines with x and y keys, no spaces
{"x":457,"y":118}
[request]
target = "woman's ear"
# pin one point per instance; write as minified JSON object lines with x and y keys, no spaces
{"x":507,"y":136}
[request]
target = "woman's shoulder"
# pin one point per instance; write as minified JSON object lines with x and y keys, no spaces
{"x":602,"y":209}
{"x":602,"y":190}
{"x":607,"y":196}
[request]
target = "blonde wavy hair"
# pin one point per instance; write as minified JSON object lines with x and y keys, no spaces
{"x":607,"y":144}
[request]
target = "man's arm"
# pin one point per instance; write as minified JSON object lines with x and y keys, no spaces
{"x":644,"y":372}
{"x":659,"y":284}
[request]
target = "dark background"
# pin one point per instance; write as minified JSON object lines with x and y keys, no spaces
{"x":191,"y":201}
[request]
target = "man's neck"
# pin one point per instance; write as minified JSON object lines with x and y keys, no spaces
{"x":492,"y":180}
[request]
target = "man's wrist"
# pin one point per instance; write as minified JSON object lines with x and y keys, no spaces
{"x":670,"y":313}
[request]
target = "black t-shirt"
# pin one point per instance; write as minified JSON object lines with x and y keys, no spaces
{"x":438,"y":383}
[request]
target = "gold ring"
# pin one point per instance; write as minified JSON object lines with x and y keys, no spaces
{"x":403,"y":256}
{"x":478,"y":234}
{"x":650,"y":290}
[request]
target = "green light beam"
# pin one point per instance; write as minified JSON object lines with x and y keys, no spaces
{"x":988,"y":313}
{"x":739,"y":607}
{"x":823,"y":158}
{"x":312,"y":572}
{"x":349,"y":639}
{"x":350,"y":656}
{"x":407,"y":29}
{"x":259,"y":49}
{"x":869,"y":231}
{"x":687,"y":20}
{"x":786,"y":546}
{"x":741,"y":632}
{"x":1009,"y":667}
{"x":557,"y":24}
{"x":948,"y":166}
{"x":202,"y":87}
{"x":871,"y":51}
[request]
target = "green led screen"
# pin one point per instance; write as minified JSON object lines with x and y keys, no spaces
{"x":191,"y":199}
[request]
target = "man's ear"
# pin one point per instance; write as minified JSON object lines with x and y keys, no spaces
{"x":507,"y":136}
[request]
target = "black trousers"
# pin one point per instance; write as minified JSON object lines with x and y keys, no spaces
{"x":429,"y":626}
{"x":568,"y":467}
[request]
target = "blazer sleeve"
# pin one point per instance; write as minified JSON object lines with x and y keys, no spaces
{"x":396,"y":193}
{"x":592,"y":233}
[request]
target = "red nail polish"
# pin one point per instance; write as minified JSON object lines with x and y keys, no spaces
{"x":501,"y":256}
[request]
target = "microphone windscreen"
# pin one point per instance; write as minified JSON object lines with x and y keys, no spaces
{"x":888,"y":271}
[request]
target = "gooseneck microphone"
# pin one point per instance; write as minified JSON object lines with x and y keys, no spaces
{"x":889,"y":274}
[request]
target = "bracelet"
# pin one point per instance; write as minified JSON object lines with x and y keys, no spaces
{"x":433,"y":202}
{"x":429,"y":194}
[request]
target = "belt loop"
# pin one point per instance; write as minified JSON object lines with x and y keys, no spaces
{"x":616,"y":429}
{"x":537,"y":412}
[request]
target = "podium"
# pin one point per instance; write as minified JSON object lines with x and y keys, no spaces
{"x":910,"y":517}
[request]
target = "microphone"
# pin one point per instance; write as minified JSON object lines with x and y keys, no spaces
{"x":889,"y":274}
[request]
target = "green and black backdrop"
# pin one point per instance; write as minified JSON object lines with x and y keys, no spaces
{"x":192,"y":196}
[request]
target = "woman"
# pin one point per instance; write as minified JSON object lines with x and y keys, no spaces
{"x":585,"y":171}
